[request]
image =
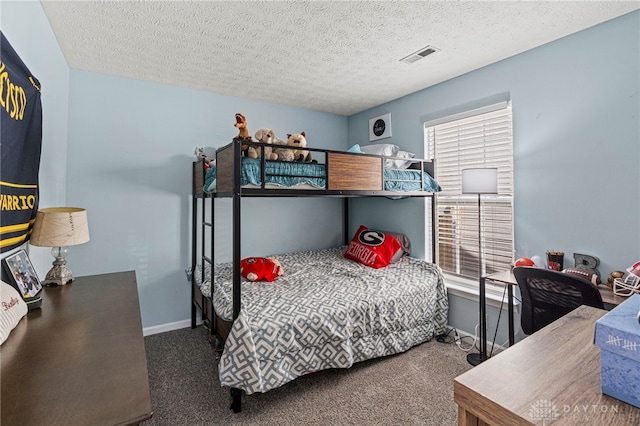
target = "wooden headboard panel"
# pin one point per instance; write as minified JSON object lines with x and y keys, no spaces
{"x":355,"y":172}
{"x":198,"y":177}
{"x":224,"y":168}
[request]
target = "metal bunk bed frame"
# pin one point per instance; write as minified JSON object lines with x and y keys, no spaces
{"x":204,"y":304}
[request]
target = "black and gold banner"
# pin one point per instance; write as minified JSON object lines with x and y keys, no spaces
{"x":20,"y":143}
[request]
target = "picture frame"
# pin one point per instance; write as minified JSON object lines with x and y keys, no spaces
{"x":22,"y":274}
{"x":380,"y":127}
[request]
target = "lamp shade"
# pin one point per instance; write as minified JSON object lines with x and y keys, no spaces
{"x":60,"y":227}
{"x":480,"y":181}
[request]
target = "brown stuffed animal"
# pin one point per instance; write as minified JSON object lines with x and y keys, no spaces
{"x":241,"y":124}
{"x":243,"y":132}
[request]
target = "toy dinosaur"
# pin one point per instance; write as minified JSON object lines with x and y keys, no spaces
{"x":241,"y":124}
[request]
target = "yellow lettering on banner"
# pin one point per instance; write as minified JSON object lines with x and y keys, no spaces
{"x":14,"y":202}
{"x":13,"y":98}
{"x":3,"y":77}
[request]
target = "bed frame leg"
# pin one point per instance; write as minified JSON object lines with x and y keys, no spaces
{"x":236,"y":400}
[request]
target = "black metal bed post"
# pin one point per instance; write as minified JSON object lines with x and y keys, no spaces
{"x":434,"y":230}
{"x":236,"y":227}
{"x":236,"y":394}
{"x":194,"y":244}
{"x":212,"y":228}
{"x":345,"y":231}
{"x":203,"y":254}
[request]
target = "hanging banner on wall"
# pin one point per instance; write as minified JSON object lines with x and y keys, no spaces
{"x":20,"y":143}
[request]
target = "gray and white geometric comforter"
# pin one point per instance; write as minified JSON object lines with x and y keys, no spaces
{"x":324,"y":312}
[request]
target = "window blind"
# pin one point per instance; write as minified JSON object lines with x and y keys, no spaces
{"x":477,"y":140}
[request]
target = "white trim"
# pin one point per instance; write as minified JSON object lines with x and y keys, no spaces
{"x":490,"y":345}
{"x":468,"y":289}
{"x":467,"y":114}
{"x":162,"y":328}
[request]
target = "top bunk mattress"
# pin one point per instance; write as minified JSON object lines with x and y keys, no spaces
{"x":296,"y":175}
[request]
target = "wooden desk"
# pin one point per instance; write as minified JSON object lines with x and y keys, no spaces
{"x":80,"y":360}
{"x":508,"y":279}
{"x":552,"y":377}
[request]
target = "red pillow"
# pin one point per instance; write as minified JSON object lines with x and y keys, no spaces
{"x":372,"y":248}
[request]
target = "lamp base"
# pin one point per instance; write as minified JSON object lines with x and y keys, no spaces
{"x":475,"y":359}
{"x":58,"y":275}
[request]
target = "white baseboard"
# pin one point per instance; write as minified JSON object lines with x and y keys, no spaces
{"x":162,"y":328}
{"x":490,"y":347}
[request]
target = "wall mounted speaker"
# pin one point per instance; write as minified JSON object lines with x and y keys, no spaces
{"x":380,"y":127}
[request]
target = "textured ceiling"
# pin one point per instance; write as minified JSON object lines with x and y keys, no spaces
{"x":337,"y":57}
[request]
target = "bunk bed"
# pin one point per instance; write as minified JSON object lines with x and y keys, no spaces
{"x":271,"y":333}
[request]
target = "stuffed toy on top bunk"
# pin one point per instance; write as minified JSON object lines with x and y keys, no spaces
{"x":207,"y":159}
{"x":243,"y":131}
{"x":281,"y":150}
{"x":298,"y":142}
{"x":264,"y":136}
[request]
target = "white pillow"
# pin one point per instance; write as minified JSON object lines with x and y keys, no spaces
{"x":386,"y":149}
{"x":400,"y":164}
{"x":12,"y":309}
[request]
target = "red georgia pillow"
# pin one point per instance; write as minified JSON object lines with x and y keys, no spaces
{"x":372,"y":248}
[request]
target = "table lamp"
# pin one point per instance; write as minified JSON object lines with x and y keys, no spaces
{"x":479,"y":181}
{"x":59,"y":228}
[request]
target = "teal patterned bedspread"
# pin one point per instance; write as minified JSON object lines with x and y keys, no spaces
{"x":292,"y":174}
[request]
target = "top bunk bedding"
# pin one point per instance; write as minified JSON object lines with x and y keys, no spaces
{"x":280,"y":174}
{"x":335,"y":173}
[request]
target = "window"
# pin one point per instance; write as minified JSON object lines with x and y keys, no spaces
{"x":478,"y":138}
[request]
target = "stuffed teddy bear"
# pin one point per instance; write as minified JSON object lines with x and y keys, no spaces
{"x":299,"y":141}
{"x":260,"y":268}
{"x":284,"y":154}
{"x":209,"y":161}
{"x":264,"y":136}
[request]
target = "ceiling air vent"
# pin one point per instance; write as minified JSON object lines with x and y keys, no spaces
{"x":416,"y":56}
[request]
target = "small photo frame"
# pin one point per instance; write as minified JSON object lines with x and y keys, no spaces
{"x":380,"y":127}
{"x":22,"y":274}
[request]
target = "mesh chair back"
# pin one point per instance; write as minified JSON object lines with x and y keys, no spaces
{"x":548,"y":295}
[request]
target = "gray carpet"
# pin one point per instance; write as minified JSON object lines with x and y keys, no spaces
{"x":412,"y":388}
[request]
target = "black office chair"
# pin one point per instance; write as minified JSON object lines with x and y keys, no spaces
{"x":547,"y":295}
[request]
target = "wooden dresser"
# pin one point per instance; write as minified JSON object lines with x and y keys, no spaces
{"x":80,"y":360}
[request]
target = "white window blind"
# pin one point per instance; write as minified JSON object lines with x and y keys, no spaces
{"x":471,"y":140}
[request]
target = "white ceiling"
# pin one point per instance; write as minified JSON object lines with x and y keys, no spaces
{"x":338,"y":57}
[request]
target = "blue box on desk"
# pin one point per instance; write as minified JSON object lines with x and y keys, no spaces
{"x":618,"y":336}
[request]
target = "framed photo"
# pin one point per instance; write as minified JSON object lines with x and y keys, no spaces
{"x":22,"y":274}
{"x":380,"y":127}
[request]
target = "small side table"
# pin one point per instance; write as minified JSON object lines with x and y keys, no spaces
{"x":507,"y":278}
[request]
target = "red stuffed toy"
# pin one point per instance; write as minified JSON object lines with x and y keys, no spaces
{"x":260,"y":268}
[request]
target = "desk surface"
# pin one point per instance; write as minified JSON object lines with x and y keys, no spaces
{"x":80,"y":360}
{"x":506,"y":277}
{"x":552,"y":377}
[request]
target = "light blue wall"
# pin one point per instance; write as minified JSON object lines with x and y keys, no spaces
{"x":25,"y":25}
{"x":122,"y":149}
{"x":576,"y":130}
{"x":131,"y":147}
